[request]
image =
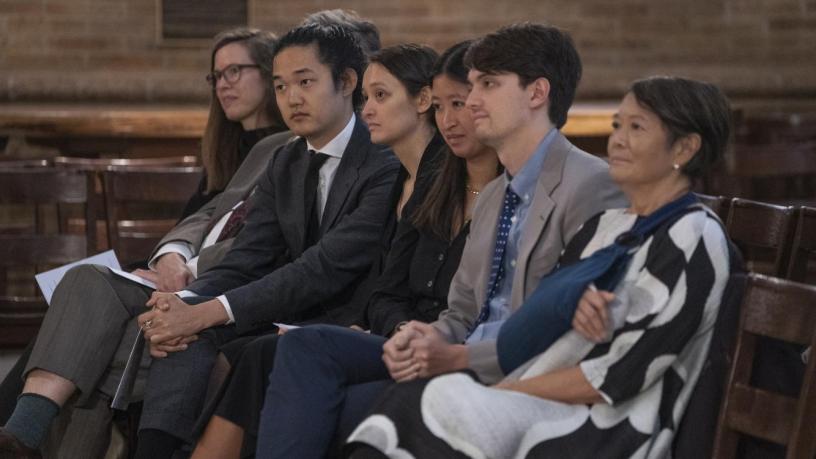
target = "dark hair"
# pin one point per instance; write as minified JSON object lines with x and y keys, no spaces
{"x":685,"y":107}
{"x":532,"y":51}
{"x":451,"y":62}
{"x":219,"y":145}
{"x":337,"y":47}
{"x":410,"y":63}
{"x":365,"y":30}
{"x":444,"y":205}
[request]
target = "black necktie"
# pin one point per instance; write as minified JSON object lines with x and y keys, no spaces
{"x":316,"y":160}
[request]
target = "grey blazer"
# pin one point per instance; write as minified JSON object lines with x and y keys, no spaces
{"x":193,"y":229}
{"x":269,"y":276}
{"x":572,"y":187}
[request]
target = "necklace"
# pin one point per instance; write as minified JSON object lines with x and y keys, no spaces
{"x":471,"y":190}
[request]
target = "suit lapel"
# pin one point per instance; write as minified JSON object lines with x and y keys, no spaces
{"x":492,"y":209}
{"x":348,"y":172}
{"x":540,"y":210}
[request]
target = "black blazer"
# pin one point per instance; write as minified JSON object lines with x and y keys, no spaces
{"x":269,"y":276}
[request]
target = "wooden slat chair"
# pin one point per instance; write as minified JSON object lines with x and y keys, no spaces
{"x":143,"y":204}
{"x":73,"y":218}
{"x":719,"y":204}
{"x":102,"y":164}
{"x":23,"y":254}
{"x":802,"y":265}
{"x":763,"y":233}
{"x":782,"y":310}
{"x":18,"y":163}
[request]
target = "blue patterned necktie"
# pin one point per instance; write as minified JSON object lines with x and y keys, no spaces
{"x":511,"y":200}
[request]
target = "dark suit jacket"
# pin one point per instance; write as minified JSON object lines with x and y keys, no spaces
{"x":269,"y":276}
{"x":193,"y":229}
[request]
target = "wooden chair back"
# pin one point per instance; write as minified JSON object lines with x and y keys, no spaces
{"x":98,"y":166}
{"x":718,"y":204}
{"x":802,"y":265}
{"x":41,"y":246}
{"x":103,"y":164}
{"x":763,"y":233}
{"x":783,"y":310}
{"x":143,"y":204}
{"x":18,"y":163}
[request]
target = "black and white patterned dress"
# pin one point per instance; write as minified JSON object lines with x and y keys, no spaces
{"x":662,"y":320}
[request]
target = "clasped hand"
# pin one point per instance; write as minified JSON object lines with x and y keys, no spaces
{"x":419,"y":350}
{"x":591,"y":319}
{"x":170,"y":325}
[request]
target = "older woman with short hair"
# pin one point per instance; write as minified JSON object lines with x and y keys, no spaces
{"x":646,"y":283}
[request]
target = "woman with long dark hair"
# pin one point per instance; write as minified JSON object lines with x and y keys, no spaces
{"x":325,"y":378}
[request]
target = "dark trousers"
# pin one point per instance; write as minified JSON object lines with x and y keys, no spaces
{"x":324,"y":381}
{"x":177,"y":384}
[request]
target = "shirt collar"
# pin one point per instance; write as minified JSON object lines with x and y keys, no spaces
{"x":523,"y":184}
{"x":338,"y":144}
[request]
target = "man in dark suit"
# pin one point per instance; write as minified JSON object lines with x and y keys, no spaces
{"x":303,"y":250}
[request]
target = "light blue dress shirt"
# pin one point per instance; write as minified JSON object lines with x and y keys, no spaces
{"x":524,"y":185}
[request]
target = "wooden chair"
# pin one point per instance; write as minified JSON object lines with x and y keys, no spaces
{"x":783,"y":310}
{"x":719,"y":204}
{"x":102,"y":164}
{"x":22,"y":163}
{"x":803,"y":249}
{"x":143,"y":204}
{"x":98,"y":166}
{"x":24,"y":253}
{"x":763,"y":234}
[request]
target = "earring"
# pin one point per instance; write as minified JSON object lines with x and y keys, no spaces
{"x":675,"y":166}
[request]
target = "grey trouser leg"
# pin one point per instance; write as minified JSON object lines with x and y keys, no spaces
{"x":177,"y":384}
{"x":89,"y":329}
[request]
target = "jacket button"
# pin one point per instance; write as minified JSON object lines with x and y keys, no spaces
{"x":441,"y":256}
{"x":430,"y":283}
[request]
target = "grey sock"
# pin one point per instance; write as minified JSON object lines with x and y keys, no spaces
{"x":32,"y":418}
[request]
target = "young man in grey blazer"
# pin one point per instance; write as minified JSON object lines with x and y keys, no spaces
{"x":524,"y":79}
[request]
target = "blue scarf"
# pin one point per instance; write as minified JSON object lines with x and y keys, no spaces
{"x":547,"y":313}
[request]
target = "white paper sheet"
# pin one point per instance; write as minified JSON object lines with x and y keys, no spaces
{"x":48,"y":280}
{"x":134,"y":278}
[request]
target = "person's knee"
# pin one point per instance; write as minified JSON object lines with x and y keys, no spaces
{"x":302,"y":339}
{"x":84,"y":275}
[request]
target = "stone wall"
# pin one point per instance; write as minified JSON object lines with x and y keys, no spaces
{"x":106,"y":50}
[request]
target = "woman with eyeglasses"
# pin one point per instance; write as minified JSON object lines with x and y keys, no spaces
{"x":242,"y":107}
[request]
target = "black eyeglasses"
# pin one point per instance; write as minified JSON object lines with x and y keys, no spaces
{"x":232,"y":73}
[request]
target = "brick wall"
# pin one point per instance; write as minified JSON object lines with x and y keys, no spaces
{"x":105,"y":50}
